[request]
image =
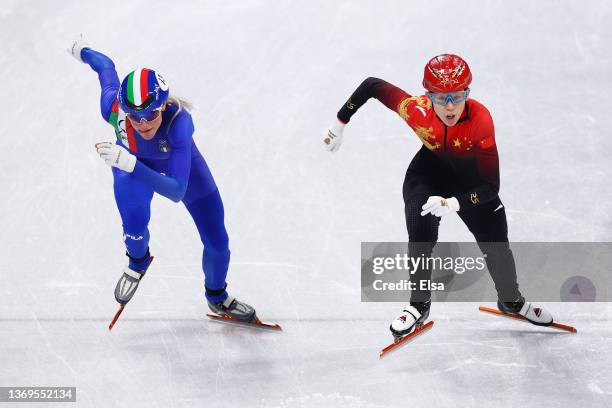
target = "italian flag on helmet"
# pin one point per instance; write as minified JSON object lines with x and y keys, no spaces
{"x":142,"y":91}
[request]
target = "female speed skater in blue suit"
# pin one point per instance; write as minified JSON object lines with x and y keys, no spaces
{"x":155,"y":153}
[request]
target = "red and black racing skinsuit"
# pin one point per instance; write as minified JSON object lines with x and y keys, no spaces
{"x":459,"y":161}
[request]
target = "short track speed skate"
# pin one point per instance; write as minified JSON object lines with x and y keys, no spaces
{"x":527,"y":312}
{"x":408,"y":325}
{"x":126,"y":288}
{"x":233,"y":311}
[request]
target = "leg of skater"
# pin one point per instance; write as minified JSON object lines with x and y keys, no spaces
{"x":133,"y":199}
{"x":207,"y":213}
{"x":422,"y":237}
{"x":490,"y":228}
{"x":204,"y":203}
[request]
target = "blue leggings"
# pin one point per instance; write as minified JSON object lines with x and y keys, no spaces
{"x":133,"y":198}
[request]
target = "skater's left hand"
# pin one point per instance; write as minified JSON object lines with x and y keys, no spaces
{"x":440,"y":206}
{"x":116,"y":156}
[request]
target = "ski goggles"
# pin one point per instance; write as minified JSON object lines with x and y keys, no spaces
{"x":145,"y":116}
{"x":443,"y":98}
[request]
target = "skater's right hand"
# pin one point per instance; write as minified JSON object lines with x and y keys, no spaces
{"x":77,"y":46}
{"x":116,"y":156}
{"x":333,"y":138}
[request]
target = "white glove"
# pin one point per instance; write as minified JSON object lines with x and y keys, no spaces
{"x":77,"y":46}
{"x":116,"y":156}
{"x":333,"y":139}
{"x":440,"y":206}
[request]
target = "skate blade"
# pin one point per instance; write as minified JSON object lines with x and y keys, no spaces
{"x":112,"y":323}
{"x":121,"y":307}
{"x":519,"y":317}
{"x":405,"y":339}
{"x":253,"y":323}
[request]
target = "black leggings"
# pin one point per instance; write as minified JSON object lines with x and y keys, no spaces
{"x":487,"y":222}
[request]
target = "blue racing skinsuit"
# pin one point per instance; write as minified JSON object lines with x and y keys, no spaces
{"x":169,"y":164}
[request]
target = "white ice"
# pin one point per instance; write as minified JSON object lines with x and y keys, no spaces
{"x":267,"y":77}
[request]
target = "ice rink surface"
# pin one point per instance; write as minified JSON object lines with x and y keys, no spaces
{"x":267,"y":78}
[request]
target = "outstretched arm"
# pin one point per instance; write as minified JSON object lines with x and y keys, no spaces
{"x":104,"y":67}
{"x":390,"y":95}
{"x":107,"y":75}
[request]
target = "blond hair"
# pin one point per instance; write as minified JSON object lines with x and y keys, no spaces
{"x":180,"y":102}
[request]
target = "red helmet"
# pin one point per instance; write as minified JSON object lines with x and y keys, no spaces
{"x":446,"y":73}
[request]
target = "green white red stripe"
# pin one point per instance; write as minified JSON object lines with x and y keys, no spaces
{"x":138,"y":86}
{"x":123,"y":127}
{"x":112,"y":117}
{"x":131,"y":139}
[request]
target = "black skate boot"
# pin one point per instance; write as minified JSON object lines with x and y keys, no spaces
{"x":511,"y":307}
{"x":412,"y":316}
{"x":233,"y":308}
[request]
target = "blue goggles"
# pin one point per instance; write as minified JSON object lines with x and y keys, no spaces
{"x":145,"y":116}
{"x":443,"y":98}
